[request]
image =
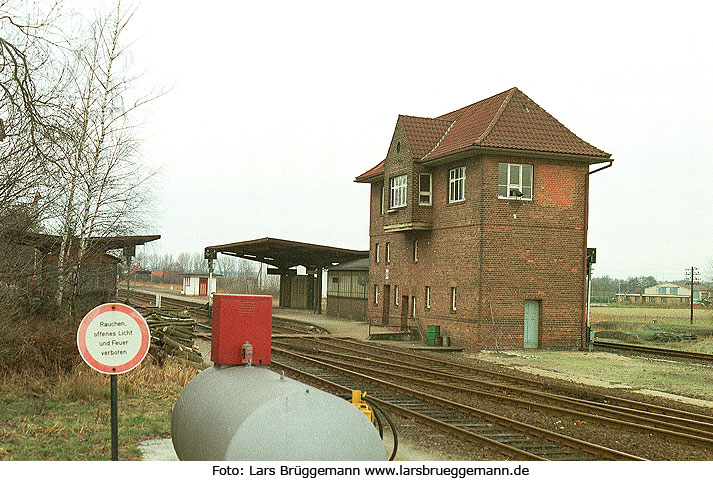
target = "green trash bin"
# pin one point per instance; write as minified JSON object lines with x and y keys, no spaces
{"x":432,"y":333}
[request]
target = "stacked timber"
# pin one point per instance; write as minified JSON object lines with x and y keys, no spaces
{"x":172,"y":334}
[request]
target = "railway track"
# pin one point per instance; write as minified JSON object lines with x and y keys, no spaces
{"x":199,"y":312}
{"x":404,"y":357}
{"x":512,"y":438}
{"x":671,"y":425}
{"x":666,"y":352}
{"x":436,"y":391}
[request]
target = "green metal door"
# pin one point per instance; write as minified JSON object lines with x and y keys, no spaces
{"x":532,"y":323}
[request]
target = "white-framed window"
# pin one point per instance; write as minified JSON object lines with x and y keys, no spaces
{"x":376,"y":295}
{"x":377,"y":257}
{"x":396,"y":296}
{"x":453,"y":299}
{"x":398,"y":192}
{"x":456,"y":184}
{"x":388,"y":253}
{"x":427,"y":297}
{"x":515,"y":181}
{"x":413,"y":306}
{"x":425,"y":189}
{"x":415,"y":250}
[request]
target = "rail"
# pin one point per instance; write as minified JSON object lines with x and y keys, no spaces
{"x":507,"y":435}
{"x":667,"y":352}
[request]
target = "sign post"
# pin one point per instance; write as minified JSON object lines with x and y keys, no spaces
{"x":113,"y":338}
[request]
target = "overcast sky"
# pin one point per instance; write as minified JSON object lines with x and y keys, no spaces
{"x":275,"y":107}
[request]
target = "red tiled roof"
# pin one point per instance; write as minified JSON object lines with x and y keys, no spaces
{"x":518,"y":123}
{"x":469,"y":124}
{"x":374,"y":171}
{"x":422,"y":134}
{"x":508,"y":120}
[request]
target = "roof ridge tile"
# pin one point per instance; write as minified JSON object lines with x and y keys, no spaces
{"x":496,"y":118}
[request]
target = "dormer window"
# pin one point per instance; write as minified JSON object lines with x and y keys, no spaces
{"x":398,"y":192}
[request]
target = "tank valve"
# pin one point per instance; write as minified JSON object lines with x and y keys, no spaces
{"x":247,"y":353}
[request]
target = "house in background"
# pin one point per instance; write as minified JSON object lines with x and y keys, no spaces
{"x":198,"y":284}
{"x":138,"y":273}
{"x":478,"y":224}
{"x":667,"y":294}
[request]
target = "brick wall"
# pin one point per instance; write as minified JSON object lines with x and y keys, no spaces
{"x":350,"y":308}
{"x":497,"y":253}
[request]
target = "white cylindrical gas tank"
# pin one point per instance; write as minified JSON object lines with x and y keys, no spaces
{"x":252,"y":413}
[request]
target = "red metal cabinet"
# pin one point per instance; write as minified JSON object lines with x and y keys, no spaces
{"x":238,"y":319}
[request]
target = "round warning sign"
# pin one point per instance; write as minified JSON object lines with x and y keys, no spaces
{"x":113,"y":338}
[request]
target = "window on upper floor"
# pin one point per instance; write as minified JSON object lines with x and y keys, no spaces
{"x":388,"y":253}
{"x":425,"y":189}
{"x":396,"y":295}
{"x":453,"y":299}
{"x":515,"y":181}
{"x":397,"y":197}
{"x":673,"y":290}
{"x":377,"y":257}
{"x":662,"y":290}
{"x":456,"y":184}
{"x":376,"y":295}
{"x":382,"y":190}
{"x":415,"y":250}
{"x":427,"y":297}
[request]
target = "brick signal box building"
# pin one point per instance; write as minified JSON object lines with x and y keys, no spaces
{"x":479,"y":225}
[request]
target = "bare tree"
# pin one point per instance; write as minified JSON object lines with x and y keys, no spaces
{"x":105,"y":182}
{"x":226,"y":265}
{"x":28,"y":130}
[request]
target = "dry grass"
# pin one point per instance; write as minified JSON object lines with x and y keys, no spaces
{"x":604,"y":368}
{"x":666,"y":316}
{"x":37,"y":345}
{"x":66,"y":417}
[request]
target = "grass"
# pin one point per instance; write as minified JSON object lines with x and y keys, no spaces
{"x":642,"y":324}
{"x":618,"y":370}
{"x":68,"y":417}
{"x":702,"y":317}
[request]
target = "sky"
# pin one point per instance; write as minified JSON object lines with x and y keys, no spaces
{"x":273,"y":108}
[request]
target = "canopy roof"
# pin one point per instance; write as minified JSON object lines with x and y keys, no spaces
{"x":51,"y":243}
{"x":287,"y":253}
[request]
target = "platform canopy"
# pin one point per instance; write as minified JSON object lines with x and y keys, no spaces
{"x":284,"y":254}
{"x":51,"y":243}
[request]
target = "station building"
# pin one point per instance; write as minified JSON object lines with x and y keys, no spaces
{"x":478,"y":224}
{"x":283,"y":257}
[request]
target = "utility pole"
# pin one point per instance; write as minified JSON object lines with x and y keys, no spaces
{"x":129,"y":252}
{"x":694,"y":274}
{"x":210,"y":255}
